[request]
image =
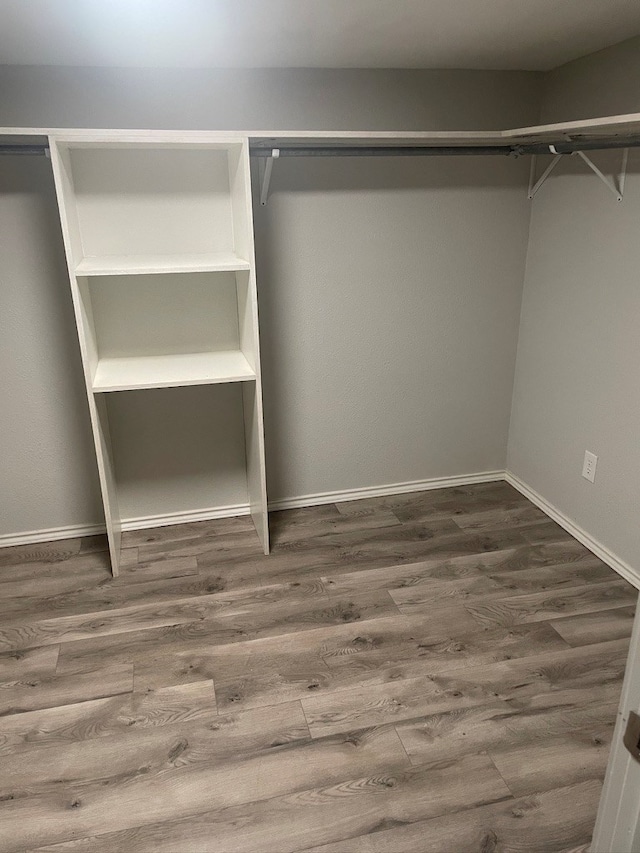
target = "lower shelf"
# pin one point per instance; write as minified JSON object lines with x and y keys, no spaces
{"x":169,"y":371}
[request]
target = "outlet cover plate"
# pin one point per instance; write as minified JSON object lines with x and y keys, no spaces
{"x":589,"y":466}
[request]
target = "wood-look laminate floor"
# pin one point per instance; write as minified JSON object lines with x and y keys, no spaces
{"x":427,"y":672}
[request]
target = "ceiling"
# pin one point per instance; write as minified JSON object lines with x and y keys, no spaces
{"x":498,"y":34}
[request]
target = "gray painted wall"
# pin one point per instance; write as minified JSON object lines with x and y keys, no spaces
{"x":389,"y":300}
{"x":577,"y":381}
{"x":389,"y":292}
{"x":265,"y":99}
{"x":604,"y":83}
{"x":47,"y":465}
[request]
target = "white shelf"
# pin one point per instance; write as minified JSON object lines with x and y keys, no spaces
{"x":169,"y":371}
{"x":153,"y":264}
{"x":613,"y":124}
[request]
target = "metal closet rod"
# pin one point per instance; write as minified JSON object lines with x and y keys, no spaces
{"x":33,"y":150}
{"x":515,"y":150}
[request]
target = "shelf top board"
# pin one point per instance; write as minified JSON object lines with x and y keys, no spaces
{"x":153,"y":264}
{"x":171,"y":371}
{"x":594,"y":128}
{"x":105,"y":137}
{"x":620,"y":125}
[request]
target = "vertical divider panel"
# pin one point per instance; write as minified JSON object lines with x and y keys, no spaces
{"x":254,"y":451}
{"x":63,"y":178}
{"x":242,"y":211}
{"x":107,"y":481}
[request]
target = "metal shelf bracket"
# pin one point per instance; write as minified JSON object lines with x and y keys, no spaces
{"x":534,"y":187}
{"x":267,"y":168}
{"x":616,"y":188}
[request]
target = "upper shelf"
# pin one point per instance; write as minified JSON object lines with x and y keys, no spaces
{"x":628,"y":123}
{"x":152,"y":264}
{"x":597,"y":129}
{"x":619,"y":125}
{"x":622,"y":126}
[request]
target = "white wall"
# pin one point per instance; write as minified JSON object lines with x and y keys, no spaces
{"x":389,"y":293}
{"x":577,"y":382}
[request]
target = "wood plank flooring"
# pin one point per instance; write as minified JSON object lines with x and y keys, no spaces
{"x":425,"y":673}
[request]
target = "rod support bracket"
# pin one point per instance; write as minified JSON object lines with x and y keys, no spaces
{"x":616,"y":189}
{"x":534,"y":185}
{"x":266,"y":175}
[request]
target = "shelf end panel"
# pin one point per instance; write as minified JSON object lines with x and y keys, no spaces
{"x":256,"y":468}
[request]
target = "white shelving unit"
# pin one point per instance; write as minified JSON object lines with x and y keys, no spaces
{"x":159,"y":242}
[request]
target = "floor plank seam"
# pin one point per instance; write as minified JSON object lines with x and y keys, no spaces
{"x":495,"y":767}
{"x":402,"y":743}
{"x":305,"y":719}
{"x":55,"y":669}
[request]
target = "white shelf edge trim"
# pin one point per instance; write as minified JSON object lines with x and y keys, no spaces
{"x":53,"y":534}
{"x":612,"y":560}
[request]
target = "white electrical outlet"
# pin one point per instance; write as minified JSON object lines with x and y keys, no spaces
{"x":589,"y":466}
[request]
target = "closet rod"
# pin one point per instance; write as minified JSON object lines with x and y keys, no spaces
{"x":575,"y":145}
{"x":33,"y":150}
{"x":515,"y":150}
{"x":382,"y":151}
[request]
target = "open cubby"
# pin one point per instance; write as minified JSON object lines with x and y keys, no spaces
{"x":154,"y":331}
{"x":154,"y":435}
{"x":154,"y":208}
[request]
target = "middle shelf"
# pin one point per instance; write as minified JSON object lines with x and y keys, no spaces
{"x":168,"y":330}
{"x":171,"y":371}
{"x":149,"y":264}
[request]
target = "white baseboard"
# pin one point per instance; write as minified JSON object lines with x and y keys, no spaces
{"x":73,"y":531}
{"x":390,"y":489}
{"x":50,"y":534}
{"x":53,"y":534}
{"x":618,"y":565}
{"x":142,"y":522}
